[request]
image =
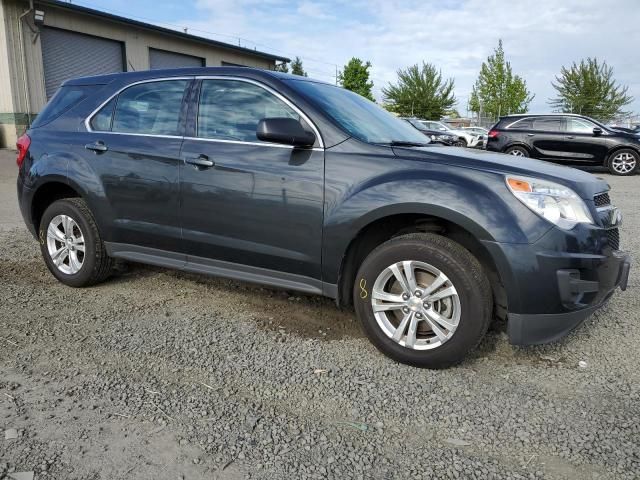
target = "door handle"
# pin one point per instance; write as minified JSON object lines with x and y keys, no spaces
{"x":97,"y":146}
{"x":570,"y":137}
{"x":530,"y":134}
{"x":201,"y":161}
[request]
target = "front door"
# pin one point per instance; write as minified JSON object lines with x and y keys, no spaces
{"x":133,"y":146}
{"x":585,"y":146}
{"x":244,"y":201}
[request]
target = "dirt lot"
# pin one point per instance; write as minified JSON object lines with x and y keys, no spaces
{"x":163,"y":375}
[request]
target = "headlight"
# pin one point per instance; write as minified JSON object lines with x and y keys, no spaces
{"x":552,"y":201}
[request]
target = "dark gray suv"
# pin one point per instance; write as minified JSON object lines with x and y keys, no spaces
{"x":298,"y":184}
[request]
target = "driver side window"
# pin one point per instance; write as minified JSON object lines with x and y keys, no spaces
{"x":578,"y":125}
{"x":232,"y":109}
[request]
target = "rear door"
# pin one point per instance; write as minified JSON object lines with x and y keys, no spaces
{"x":547,"y":138}
{"x":583,"y":146}
{"x":245,"y":201}
{"x":132,"y":144}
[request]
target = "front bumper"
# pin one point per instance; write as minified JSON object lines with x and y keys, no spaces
{"x":553,"y":285}
{"x":533,"y":329}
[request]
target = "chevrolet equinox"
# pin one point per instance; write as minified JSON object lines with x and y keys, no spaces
{"x":285,"y":181}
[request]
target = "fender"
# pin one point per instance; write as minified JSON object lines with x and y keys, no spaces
{"x":72,"y":170}
{"x":476,"y":201}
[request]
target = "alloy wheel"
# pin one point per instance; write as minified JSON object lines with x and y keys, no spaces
{"x":65,"y":244}
{"x":623,"y":163}
{"x":516,"y":152}
{"x":416,"y":305}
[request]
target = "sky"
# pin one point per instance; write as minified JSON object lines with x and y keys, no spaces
{"x":539,"y":36}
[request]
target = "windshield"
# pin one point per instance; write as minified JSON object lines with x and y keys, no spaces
{"x":416,"y":123}
{"x":358,"y":116}
{"x":432,"y":125}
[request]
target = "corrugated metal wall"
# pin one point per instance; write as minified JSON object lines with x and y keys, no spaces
{"x":162,"y":59}
{"x":68,"y":55}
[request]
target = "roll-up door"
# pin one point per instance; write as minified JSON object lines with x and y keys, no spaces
{"x":67,"y":54}
{"x":164,"y":59}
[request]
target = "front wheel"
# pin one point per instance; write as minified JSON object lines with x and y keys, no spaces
{"x":624,"y":162}
{"x":423,"y":300}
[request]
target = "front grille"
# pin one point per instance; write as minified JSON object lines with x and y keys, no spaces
{"x":614,"y":238}
{"x":602,"y":199}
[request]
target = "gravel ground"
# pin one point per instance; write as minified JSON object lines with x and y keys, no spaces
{"x":157,"y":374}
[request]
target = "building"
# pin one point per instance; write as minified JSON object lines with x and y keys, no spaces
{"x":43,"y":43}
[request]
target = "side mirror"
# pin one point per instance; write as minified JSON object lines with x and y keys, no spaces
{"x":597,"y":131}
{"x":287,"y":131}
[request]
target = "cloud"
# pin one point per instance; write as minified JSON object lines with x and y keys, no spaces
{"x":456,"y":35}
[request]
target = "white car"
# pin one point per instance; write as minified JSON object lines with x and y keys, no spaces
{"x":467,"y":139}
{"x":476,"y":130}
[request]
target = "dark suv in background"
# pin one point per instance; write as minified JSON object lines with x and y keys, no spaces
{"x":569,"y":139}
{"x":285,"y":181}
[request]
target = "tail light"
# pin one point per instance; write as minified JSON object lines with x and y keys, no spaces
{"x":23,"y":147}
{"x":492,"y":134}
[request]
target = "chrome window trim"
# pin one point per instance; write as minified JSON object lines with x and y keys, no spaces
{"x":519,"y":120}
{"x":276,"y":94}
{"x":258,"y":144}
{"x":87,"y":121}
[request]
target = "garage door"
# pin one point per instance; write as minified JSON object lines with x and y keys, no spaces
{"x":68,"y":55}
{"x":164,"y":59}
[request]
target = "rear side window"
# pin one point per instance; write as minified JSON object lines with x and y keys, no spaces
{"x":151,"y":108}
{"x":101,"y":122}
{"x":522,"y":124}
{"x":547,"y":124}
{"x":231,"y":110}
{"x":64,"y":99}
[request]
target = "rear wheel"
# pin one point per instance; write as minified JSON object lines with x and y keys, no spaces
{"x":517,"y":151}
{"x":423,"y":300}
{"x":71,"y":245}
{"x":624,"y":162}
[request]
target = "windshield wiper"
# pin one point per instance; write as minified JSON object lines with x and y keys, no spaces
{"x":403,"y":143}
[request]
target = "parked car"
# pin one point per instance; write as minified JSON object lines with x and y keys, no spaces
{"x":433,"y":135}
{"x":476,"y":130}
{"x":569,"y":139}
{"x":634,"y":130}
{"x":481,"y":133}
{"x":466,"y":139}
{"x":289,"y":182}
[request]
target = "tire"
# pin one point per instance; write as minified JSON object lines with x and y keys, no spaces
{"x":624,"y":162}
{"x":462,"y":270}
{"x":461,"y":143}
{"x":517,"y":151}
{"x":72,"y":266}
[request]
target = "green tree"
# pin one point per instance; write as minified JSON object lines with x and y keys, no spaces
{"x":420,"y":92}
{"x":452,"y":113}
{"x":497,"y":90}
{"x":296,"y":67}
{"x":589,"y":89}
{"x":355,"y":77}
{"x":282,"y":67}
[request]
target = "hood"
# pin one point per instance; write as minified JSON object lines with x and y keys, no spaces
{"x":584,"y":184}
